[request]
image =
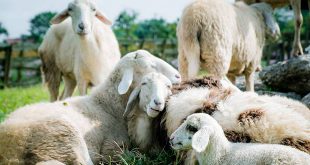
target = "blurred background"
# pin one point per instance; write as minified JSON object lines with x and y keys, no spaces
{"x":146,"y":24}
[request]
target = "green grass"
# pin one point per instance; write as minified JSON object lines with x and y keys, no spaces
{"x":13,"y":98}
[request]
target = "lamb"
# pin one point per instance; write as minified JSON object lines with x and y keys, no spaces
{"x":224,"y":43}
{"x":244,"y":116}
{"x":78,"y":130}
{"x":82,"y":50}
{"x":296,"y":5}
{"x":204,"y":134}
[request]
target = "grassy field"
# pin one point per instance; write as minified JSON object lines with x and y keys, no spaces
{"x":13,"y":98}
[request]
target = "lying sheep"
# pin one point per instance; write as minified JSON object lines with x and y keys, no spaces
{"x":204,"y":134}
{"x":142,"y":109}
{"x":78,"y":130}
{"x":80,"y":47}
{"x":229,"y":42}
{"x":244,"y":116}
{"x":144,"y":119}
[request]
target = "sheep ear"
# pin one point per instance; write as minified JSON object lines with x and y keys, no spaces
{"x":200,"y":140}
{"x":132,"y":101}
{"x":103,"y":18}
{"x":60,"y":17}
{"x":126,"y":81}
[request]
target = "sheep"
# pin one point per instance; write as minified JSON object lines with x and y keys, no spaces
{"x":224,"y":43}
{"x":82,"y":50}
{"x":141,"y":117}
{"x":206,"y":137}
{"x":296,"y":5}
{"x":244,"y":116}
{"x":144,"y":128}
{"x":78,"y":130}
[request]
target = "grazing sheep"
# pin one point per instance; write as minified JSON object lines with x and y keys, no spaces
{"x":204,"y":134}
{"x":229,"y":42}
{"x":81,"y":130}
{"x":244,"y":116}
{"x":80,"y":47}
{"x":296,"y":5}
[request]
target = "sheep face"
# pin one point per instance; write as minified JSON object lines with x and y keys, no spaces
{"x":151,"y":94}
{"x":271,"y":26}
{"x":139,"y":63}
{"x":194,"y":133}
{"x":83,"y":14}
{"x":155,"y":89}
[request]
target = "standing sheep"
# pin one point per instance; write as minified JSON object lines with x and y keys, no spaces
{"x":80,"y":47}
{"x":202,"y":133}
{"x":78,"y":130}
{"x":224,"y":38}
{"x":296,"y":5}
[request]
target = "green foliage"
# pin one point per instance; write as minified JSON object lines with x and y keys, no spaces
{"x":13,"y":98}
{"x":3,"y":30}
{"x":40,"y":24}
{"x":127,"y":26}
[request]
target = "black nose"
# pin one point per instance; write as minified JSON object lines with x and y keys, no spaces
{"x":81,"y":26}
{"x":157,"y":102}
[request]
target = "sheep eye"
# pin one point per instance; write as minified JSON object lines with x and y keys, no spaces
{"x":93,"y":9}
{"x":191,"y":128}
{"x":143,"y":83}
{"x":169,"y":86}
{"x":70,"y":9}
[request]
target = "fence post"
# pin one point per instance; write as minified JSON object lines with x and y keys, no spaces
{"x":7,"y":65}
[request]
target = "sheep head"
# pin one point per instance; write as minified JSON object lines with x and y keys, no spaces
{"x":151,"y":94}
{"x":194,"y":133}
{"x":271,"y":26}
{"x":139,"y":63}
{"x":83,"y":14}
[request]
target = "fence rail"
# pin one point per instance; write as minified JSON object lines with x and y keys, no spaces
{"x":20,"y":64}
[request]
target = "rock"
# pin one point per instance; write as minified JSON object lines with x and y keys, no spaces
{"x":289,"y":76}
{"x":306,"y":100}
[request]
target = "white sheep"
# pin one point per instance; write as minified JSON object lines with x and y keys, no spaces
{"x":80,"y":130}
{"x":142,"y":109}
{"x":80,"y":47}
{"x":244,"y":116}
{"x":296,"y":6}
{"x":224,"y":43}
{"x":204,"y":134}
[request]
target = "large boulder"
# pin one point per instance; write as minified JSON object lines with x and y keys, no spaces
{"x":289,"y":76}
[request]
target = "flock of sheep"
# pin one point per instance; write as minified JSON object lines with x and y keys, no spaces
{"x":140,"y":101}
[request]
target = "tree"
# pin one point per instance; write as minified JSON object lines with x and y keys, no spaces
{"x":125,"y":24}
{"x":3,"y":30}
{"x":40,"y":24}
{"x":156,"y":28}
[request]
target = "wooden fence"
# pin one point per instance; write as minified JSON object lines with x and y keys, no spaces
{"x":20,"y":64}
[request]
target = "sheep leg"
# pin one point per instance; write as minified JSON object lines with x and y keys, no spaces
{"x":183,"y":65}
{"x":70,"y":85}
{"x":297,"y":48}
{"x":232,"y":78}
{"x":249,"y":78}
{"x":82,"y":86}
